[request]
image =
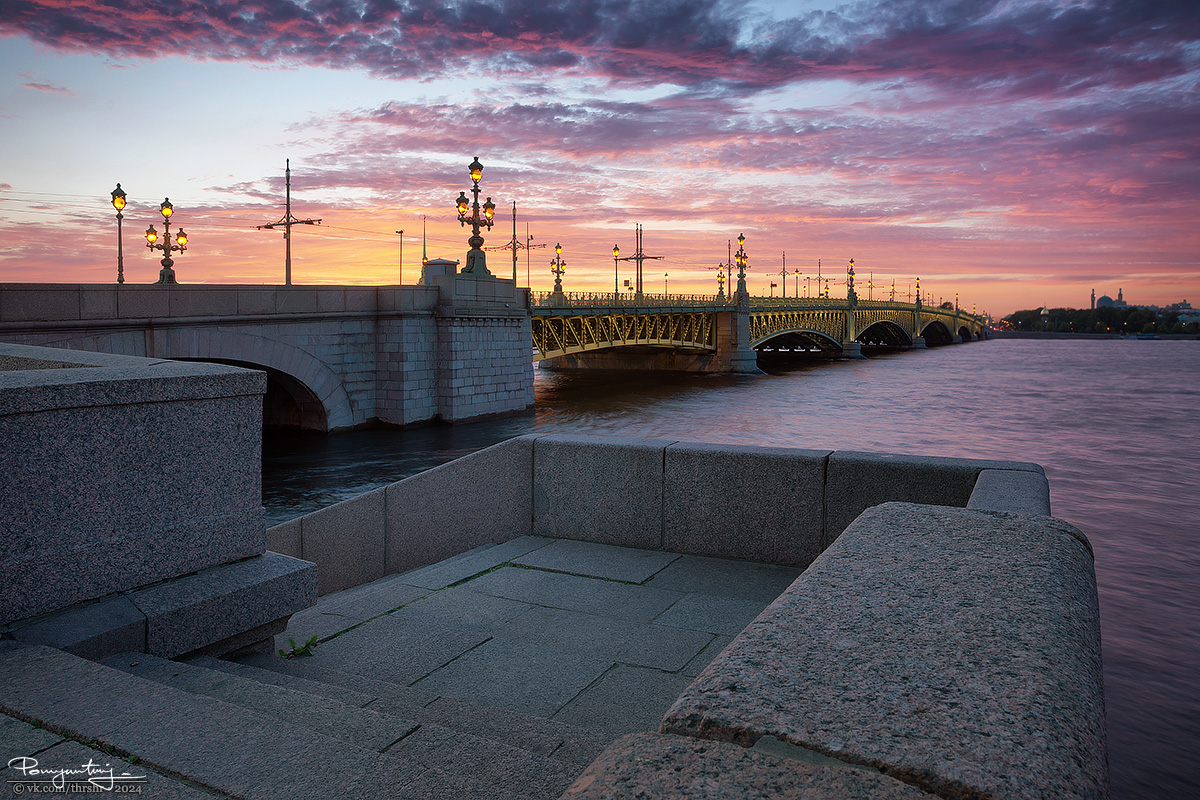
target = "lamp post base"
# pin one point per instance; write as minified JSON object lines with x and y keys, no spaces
{"x":166,"y":275}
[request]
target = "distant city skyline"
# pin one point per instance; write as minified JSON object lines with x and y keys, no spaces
{"x":1014,"y":153}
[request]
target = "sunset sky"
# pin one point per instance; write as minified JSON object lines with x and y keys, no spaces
{"x":1018,"y":153}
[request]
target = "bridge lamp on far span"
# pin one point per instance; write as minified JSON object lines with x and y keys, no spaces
{"x":166,"y":274}
{"x":476,"y":265}
{"x":118,"y":201}
{"x":558,"y":267}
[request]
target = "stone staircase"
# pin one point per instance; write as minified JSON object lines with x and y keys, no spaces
{"x":241,"y":729}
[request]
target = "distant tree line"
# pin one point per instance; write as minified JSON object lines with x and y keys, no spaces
{"x":1101,"y":320}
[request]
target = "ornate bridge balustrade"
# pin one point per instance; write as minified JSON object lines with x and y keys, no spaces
{"x":699,"y":332}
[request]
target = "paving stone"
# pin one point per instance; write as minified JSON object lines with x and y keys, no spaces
{"x":574,"y":593}
{"x":90,"y":630}
{"x":342,"y":610}
{"x":499,"y":765}
{"x":517,"y":676}
{"x":707,"y":612}
{"x":19,"y":738}
{"x":437,"y":784}
{"x":648,"y":765}
{"x":594,"y":560}
{"x":463,"y":606}
{"x":305,"y":668}
{"x":399,"y":650}
{"x":607,"y":638}
{"x":473,"y":562}
{"x":625,"y":700}
{"x":748,"y":580}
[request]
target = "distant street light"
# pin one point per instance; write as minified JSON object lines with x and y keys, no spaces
{"x":476,"y":264}
{"x":118,"y":201}
{"x":664,"y":283}
{"x":721,"y":282}
{"x":557,"y":266}
{"x":742,"y":260}
{"x":616,"y":271}
{"x":166,"y":275}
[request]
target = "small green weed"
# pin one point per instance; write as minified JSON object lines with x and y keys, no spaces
{"x":300,"y":650}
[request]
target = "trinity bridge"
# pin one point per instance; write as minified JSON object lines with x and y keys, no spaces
{"x":456,"y":347}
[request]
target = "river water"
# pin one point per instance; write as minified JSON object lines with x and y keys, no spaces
{"x":1115,"y":423}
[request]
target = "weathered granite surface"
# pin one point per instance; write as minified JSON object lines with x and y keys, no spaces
{"x":713,"y":495}
{"x":855,"y":481}
{"x":956,"y":650}
{"x":599,"y":489}
{"x":121,"y":473}
{"x":649,"y":765}
{"x":1012,"y":490}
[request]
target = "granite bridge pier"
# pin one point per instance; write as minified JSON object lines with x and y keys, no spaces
{"x":456,"y":347}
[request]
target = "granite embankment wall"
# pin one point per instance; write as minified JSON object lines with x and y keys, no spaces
{"x":943,"y":641}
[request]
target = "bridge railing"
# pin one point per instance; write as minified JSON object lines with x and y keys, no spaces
{"x":618,"y":300}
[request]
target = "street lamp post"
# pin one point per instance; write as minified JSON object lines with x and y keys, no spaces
{"x":742,"y":260}
{"x":118,"y":201}
{"x":166,"y":274}
{"x":476,"y":264}
{"x":616,"y":273}
{"x":721,"y":282}
{"x":665,"y":282}
{"x":557,"y":266}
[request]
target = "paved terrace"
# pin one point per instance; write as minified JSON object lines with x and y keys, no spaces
{"x":499,"y":673}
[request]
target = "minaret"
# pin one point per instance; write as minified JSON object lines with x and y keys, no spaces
{"x":1120,"y":298}
{"x":1093,"y":299}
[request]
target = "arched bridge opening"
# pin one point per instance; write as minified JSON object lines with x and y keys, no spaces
{"x":936,"y":334}
{"x":796,"y":343}
{"x":288,"y":403}
{"x":884,"y":335}
{"x":965,"y":334}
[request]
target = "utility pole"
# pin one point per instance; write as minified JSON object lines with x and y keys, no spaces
{"x":400,"y":273}
{"x":516,"y":245}
{"x":286,"y":223}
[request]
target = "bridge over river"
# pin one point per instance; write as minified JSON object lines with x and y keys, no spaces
{"x":459,"y":347}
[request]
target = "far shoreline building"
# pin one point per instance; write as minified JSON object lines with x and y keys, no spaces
{"x":1104,"y":301}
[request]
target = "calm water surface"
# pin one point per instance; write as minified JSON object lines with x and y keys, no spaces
{"x":1115,"y":423}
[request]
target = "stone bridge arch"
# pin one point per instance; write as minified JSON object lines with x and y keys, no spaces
{"x":317,"y":392}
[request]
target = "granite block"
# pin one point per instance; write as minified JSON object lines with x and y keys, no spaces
{"x":517,"y":676}
{"x":589,"y":559}
{"x":36,"y":302}
{"x":1017,"y":491}
{"x":711,"y":613}
{"x":245,"y":668}
{"x":196,"y":610}
{"x":615,"y":640}
{"x":90,"y":630}
{"x":124,"y":473}
{"x":431,"y":516}
{"x":856,"y":481}
{"x":472,"y":563}
{"x":574,"y":593}
{"x":644,"y":765}
{"x":138,"y":302}
{"x":599,"y":489}
{"x":285,"y":538}
{"x":957,"y":650}
{"x":757,"y":503}
{"x":745,"y":580}
{"x":346,"y":542}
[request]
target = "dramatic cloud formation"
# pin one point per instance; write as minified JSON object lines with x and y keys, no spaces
{"x":1005,"y":146}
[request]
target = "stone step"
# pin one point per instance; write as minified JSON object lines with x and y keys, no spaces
{"x":357,"y":726}
{"x":559,"y":740}
{"x":213,"y":743}
{"x":494,"y":763}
